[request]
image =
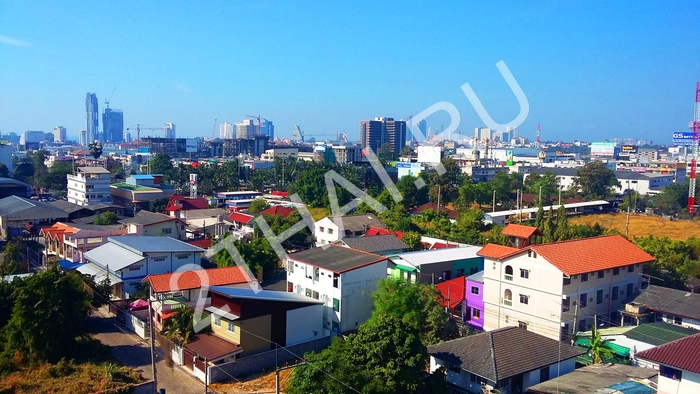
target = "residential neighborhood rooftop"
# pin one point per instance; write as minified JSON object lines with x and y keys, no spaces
{"x":138,"y":188}
{"x":93,"y":170}
{"x":496,"y":251}
{"x":503,"y":353}
{"x":591,"y":378}
{"x":278,"y":210}
{"x":358,"y":222}
{"x":14,"y":204}
{"x":336,"y":258}
{"x":422,"y":257}
{"x":113,"y":256}
{"x":452,"y":291}
{"x":196,"y":279}
{"x":267,"y":295}
{"x":659,"y":333}
{"x":478,"y":277}
{"x":377,"y":243}
{"x":146,"y":244}
{"x":147,"y":218}
{"x":671,"y":301}
{"x":681,"y":353}
{"x":240,"y":217}
{"x":212,"y":347}
{"x":520,"y":231}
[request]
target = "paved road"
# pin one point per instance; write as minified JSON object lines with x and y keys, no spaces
{"x":131,"y":350}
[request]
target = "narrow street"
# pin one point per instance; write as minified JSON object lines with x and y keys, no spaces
{"x":132,"y":351}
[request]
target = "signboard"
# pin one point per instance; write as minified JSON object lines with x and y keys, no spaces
{"x":509,"y":153}
{"x":193,"y":179}
{"x":190,"y":145}
{"x":683,"y":138}
{"x":412,"y":169}
{"x":602,"y":149}
{"x":630,"y":149}
{"x":143,"y":150}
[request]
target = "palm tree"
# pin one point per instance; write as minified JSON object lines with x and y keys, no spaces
{"x":597,"y":349}
{"x":95,"y":149}
{"x":181,"y":325}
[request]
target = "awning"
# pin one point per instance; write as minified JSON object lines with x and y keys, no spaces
{"x":222,"y":313}
{"x":68,"y":265}
{"x":98,"y":273}
{"x":621,"y":351}
{"x":138,"y":305}
{"x":406,"y":268}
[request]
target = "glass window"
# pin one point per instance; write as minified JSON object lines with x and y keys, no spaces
{"x":316,"y":273}
{"x":616,"y":271}
{"x":584,"y":277}
{"x":583,"y":300}
{"x":567,"y":281}
{"x":290,"y":287}
{"x":475,"y":290}
{"x":678,"y":320}
{"x":615,"y":292}
{"x":321,"y":229}
{"x":336,"y":305}
{"x":630,"y":268}
{"x":599,"y":297}
{"x":231,"y":327}
{"x":217,"y":321}
{"x":315,"y":294}
{"x":336,"y":278}
{"x":601,"y":274}
{"x":522,"y":325}
{"x":308,"y":292}
{"x":524,"y":299}
{"x":508,"y":297}
{"x":509,"y":272}
{"x":670,"y":373}
{"x":544,"y":374}
{"x":330,"y":231}
{"x":524,"y":273}
{"x":476,"y":314}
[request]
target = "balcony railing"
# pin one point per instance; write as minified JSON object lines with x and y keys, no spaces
{"x":509,"y":277}
{"x":508,"y":302}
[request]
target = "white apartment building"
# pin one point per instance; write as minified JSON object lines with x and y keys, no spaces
{"x":282,"y":153}
{"x":335,"y":228}
{"x":89,"y":185}
{"x":642,"y":183}
{"x":557,"y":288}
{"x":347,"y":154}
{"x":59,"y":134}
{"x":343,"y":278}
{"x":226,"y":131}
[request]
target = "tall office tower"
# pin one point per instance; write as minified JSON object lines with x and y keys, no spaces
{"x":512,"y":132}
{"x":112,"y":125}
{"x":246,"y":129}
{"x":375,"y":133}
{"x":127,"y":136}
{"x":267,"y":128}
{"x":48,"y":137}
{"x":82,"y":137}
{"x":92,"y":112}
{"x":59,"y":134}
{"x":169,"y":130}
{"x":483,"y":134}
{"x":298,"y":135}
{"x":226,"y":131}
{"x":422,"y":126}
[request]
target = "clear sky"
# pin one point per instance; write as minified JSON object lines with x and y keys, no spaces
{"x":590,"y":70}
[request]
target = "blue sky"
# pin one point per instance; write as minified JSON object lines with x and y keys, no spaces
{"x":590,"y":70}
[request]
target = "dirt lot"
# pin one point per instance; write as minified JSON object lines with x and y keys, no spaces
{"x":643,"y":225}
{"x":260,"y":384}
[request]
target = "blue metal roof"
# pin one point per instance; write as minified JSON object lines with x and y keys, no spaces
{"x":141,"y":176}
{"x":68,"y":265}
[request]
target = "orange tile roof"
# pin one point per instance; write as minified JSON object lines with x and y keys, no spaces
{"x":187,"y":280}
{"x":372,"y":231}
{"x":498,"y":252}
{"x":592,"y":254}
{"x":520,"y":231}
{"x":57,"y":230}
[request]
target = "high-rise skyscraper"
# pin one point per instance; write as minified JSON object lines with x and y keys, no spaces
{"x":267,"y":128}
{"x":246,"y":129}
{"x":226,"y":131}
{"x":169,"y":130}
{"x":92,"y":113}
{"x":375,"y":133}
{"x":82,"y":137}
{"x":59,"y":134}
{"x":112,"y":125}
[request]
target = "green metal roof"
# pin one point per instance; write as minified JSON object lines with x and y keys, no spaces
{"x":128,"y":186}
{"x":659,"y":333}
{"x":405,"y":268}
{"x":621,"y":351}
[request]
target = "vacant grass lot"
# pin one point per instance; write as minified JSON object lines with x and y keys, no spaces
{"x":643,"y":225}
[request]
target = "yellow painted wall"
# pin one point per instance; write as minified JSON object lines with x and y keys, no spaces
{"x":225,"y":333}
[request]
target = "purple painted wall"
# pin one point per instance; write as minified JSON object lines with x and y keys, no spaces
{"x":474,"y":311}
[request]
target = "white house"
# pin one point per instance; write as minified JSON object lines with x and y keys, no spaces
{"x":89,"y":185}
{"x":641,"y":182}
{"x":509,"y":359}
{"x":560,"y":286}
{"x":334,"y":228}
{"x":343,"y":278}
{"x":679,"y":365}
{"x":130,"y":258}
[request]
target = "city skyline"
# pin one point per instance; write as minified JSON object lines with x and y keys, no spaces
{"x":590,"y":71}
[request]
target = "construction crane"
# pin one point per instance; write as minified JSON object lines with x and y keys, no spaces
{"x":110,"y":97}
{"x":694,"y":152}
{"x":258,"y":118}
{"x":138,"y":133}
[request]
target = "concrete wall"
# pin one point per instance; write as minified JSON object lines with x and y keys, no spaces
{"x":357,"y":287}
{"x":475,"y":301}
{"x":323,"y":237}
{"x":304,"y":324}
{"x":145,"y":388}
{"x":255,"y":334}
{"x":689,"y":383}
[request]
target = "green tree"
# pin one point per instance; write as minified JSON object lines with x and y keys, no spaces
{"x":407,"y":187}
{"x":549,"y":227}
{"x":595,"y":181}
{"x":413,"y":240}
{"x":546,"y":183}
{"x":675,"y":261}
{"x":597,"y":349}
{"x":4,"y":171}
{"x":162,"y":163}
{"x":257,"y":205}
{"x":406,"y":151}
{"x":539,"y":216}
{"x":446,"y":186}
{"x":105,"y":219}
{"x":95,"y":149}
{"x":158,"y":205}
{"x":257,"y":253}
{"x":12,"y":259}
{"x":561,"y":231}
{"x":180,"y":327}
{"x":24,"y":170}
{"x":417,"y":305}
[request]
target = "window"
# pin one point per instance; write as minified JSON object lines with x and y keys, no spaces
{"x":567,"y":281}
{"x":460,"y":272}
{"x":316,"y":272}
{"x":630,"y":268}
{"x":584,"y":277}
{"x":135,"y":267}
{"x":182,"y":256}
{"x":524,"y":299}
{"x":308,"y":292}
{"x":544,"y":374}
{"x":309,"y":272}
{"x":670,"y":373}
{"x":330,"y":231}
{"x":615,"y":292}
{"x":336,"y":279}
{"x":476,"y":314}
{"x":321,"y":229}
{"x":159,"y":258}
{"x":290,"y":267}
{"x":315,"y":294}
{"x":630,"y":286}
{"x":529,"y":253}
{"x":231,"y":327}
{"x":217,"y":321}
{"x":678,"y":320}
{"x":336,"y":305}
{"x":522,"y":324}
{"x":601,"y":274}
{"x":454,"y":368}
{"x":616,"y":271}
{"x":508,"y":297}
{"x":477,"y":379}
{"x":290,"y":287}
{"x":583,"y":300}
{"x":524,"y":273}
{"x":509,"y":273}
{"x":565,"y":304}
{"x":599,"y":297}
{"x":167,"y":231}
{"x":475,"y":290}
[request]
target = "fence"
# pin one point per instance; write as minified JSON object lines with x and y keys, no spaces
{"x":145,"y":388}
{"x":137,"y":324}
{"x":264,"y":361}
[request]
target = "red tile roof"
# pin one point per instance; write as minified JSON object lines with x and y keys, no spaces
{"x":179,"y":201}
{"x":452,"y":214}
{"x":372,"y":231}
{"x":441,"y":245}
{"x":497,"y":252}
{"x":187,"y":280}
{"x":278,"y":210}
{"x":592,"y":254}
{"x":520,"y":231}
{"x":57,"y":230}
{"x":279,"y":193}
{"x":204,"y":243}
{"x":240,"y":217}
{"x":682,"y":354}
{"x":453,"y":289}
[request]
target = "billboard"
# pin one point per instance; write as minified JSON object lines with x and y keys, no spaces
{"x":603,"y":149}
{"x":191,"y":145}
{"x":683,"y":138}
{"x":412,"y":169}
{"x":629,"y":149}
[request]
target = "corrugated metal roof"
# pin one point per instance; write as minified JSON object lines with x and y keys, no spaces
{"x":98,"y":273}
{"x":546,"y":208}
{"x":145,"y":244}
{"x":670,"y":301}
{"x":437,"y":255}
{"x":682,"y":354}
{"x":114,"y":256}
{"x":267,"y":295}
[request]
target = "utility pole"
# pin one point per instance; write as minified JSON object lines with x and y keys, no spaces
{"x":629,"y":203}
{"x":540,"y":194}
{"x":559,"y":196}
{"x":493,"y":205}
{"x":152,"y":334}
{"x":576,"y":316}
{"x":206,"y":376}
{"x":438,"y":201}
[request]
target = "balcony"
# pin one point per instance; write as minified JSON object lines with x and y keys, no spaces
{"x":509,"y":277}
{"x":507,"y":302}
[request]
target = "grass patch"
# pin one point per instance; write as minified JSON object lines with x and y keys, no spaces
{"x":643,"y":225}
{"x":318,"y":213}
